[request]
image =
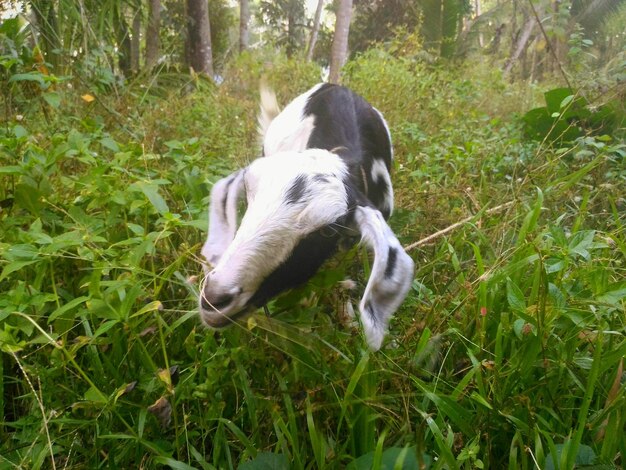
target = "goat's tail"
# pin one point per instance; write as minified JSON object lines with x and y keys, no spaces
{"x":269,"y":109}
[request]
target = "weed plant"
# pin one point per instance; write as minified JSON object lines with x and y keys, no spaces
{"x":508,"y":352}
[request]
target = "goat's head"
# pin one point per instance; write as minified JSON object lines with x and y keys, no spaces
{"x":285,"y":234}
{"x":299,"y":206}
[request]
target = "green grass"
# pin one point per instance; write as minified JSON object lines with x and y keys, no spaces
{"x":508,"y":352}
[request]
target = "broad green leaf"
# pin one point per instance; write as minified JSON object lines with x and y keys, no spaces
{"x":457,"y":413}
{"x":266,"y":461}
{"x":174,"y":145}
{"x":173,"y":463}
{"x":95,"y":395}
{"x":20,"y":131}
{"x":64,"y":241}
{"x":557,"y":297}
{"x":52,"y":98}
{"x":15,"y":266}
{"x":615,"y":295}
{"x":200,"y":459}
{"x":67,"y":307}
{"x":515,"y":296}
{"x":518,"y":325}
{"x":392,"y":458}
{"x":9,"y":343}
{"x":106,"y":326}
{"x":151,"y":191}
{"x":11,"y":170}
{"x":136,"y":229}
{"x":479,"y":399}
{"x":28,"y":77}
{"x":555,"y":97}
{"x":566,"y":101}
{"x":29,"y":198}
{"x":581,"y":242}
{"x":11,"y":26}
{"x":21,"y":252}
{"x":151,"y":307}
{"x":585,"y":456}
{"x":554,"y":265}
{"x":110,"y":143}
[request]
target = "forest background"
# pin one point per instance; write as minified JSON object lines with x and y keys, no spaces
{"x":507,"y":118}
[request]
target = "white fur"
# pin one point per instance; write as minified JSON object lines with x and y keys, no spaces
{"x":382,"y":118}
{"x":290,"y":130}
{"x":222,"y":227}
{"x":383,"y":294}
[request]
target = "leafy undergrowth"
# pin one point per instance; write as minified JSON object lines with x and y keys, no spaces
{"x":507,"y":353}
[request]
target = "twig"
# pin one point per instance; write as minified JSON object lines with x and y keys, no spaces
{"x":435,"y":235}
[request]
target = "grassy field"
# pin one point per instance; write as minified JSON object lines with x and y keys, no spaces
{"x":508,"y":352}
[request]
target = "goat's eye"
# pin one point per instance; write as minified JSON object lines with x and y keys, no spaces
{"x":327,"y":231}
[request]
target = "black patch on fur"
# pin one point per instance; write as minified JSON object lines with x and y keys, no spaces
{"x":371,"y":312}
{"x":350,"y":127}
{"x":216,"y":304}
{"x":355,"y":196}
{"x":321,"y":178}
{"x":298,"y":190}
{"x":303,"y":262}
{"x":377,"y":189}
{"x":225,"y":198}
{"x":392,"y":257}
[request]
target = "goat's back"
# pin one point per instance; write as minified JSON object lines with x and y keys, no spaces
{"x":334,"y":118}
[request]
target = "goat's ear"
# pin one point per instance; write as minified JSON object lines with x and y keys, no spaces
{"x":390,"y":278}
{"x":223,"y":216}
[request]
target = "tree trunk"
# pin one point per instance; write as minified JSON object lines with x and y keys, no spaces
{"x":494,"y":47}
{"x":292,"y":40}
{"x":339,"y":51}
{"x":450,"y":18}
{"x":520,"y":46}
{"x":199,"y":37}
{"x":152,"y":33}
{"x":135,"y":41}
{"x":431,"y":27}
{"x":244,"y":19}
{"x":315,"y":30}
{"x":514,"y":31}
{"x":123,"y":43}
{"x":478,"y":11}
{"x":48,"y":29}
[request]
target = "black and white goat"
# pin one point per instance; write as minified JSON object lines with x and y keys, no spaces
{"x":324,"y":178}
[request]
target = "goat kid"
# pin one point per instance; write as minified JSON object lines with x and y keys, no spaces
{"x":324,"y":179}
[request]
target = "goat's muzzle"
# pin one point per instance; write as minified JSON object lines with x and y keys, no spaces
{"x":219,"y":308}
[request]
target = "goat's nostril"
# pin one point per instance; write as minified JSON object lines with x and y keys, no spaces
{"x":204,"y":304}
{"x":217,"y":303}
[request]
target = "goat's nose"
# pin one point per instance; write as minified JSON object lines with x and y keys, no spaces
{"x":215,"y":303}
